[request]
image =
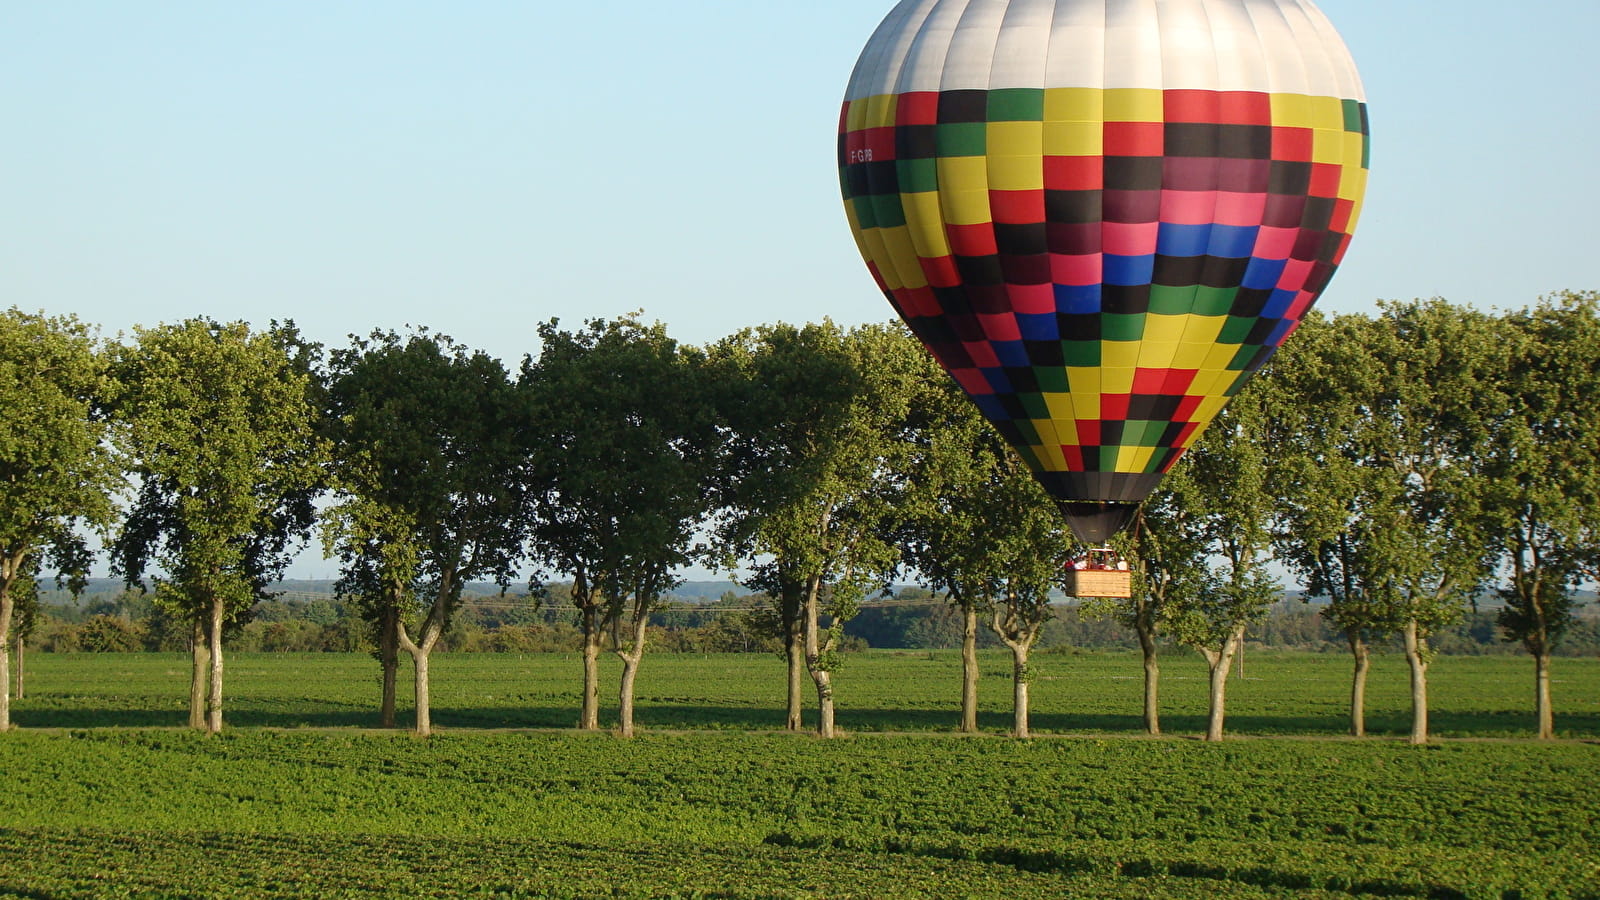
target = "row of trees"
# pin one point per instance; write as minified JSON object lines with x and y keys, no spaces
{"x":1397,"y":463}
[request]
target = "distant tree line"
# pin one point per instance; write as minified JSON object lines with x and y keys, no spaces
{"x":912,"y":618}
{"x":1399,"y":464}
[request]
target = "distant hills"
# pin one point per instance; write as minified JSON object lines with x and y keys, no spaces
{"x":689,"y":591}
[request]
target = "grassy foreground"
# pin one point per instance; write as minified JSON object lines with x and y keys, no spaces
{"x":321,"y":807}
{"x":319,"y":814}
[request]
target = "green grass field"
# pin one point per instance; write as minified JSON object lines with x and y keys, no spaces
{"x":302,"y":798}
{"x":880,"y":691}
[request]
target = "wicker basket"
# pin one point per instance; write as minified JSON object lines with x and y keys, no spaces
{"x":1099,"y":583}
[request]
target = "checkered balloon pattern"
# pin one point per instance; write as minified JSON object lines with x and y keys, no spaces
{"x":1103,"y":216}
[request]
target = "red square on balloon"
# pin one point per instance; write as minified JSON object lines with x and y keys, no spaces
{"x":917,"y":108}
{"x":1292,"y":144}
{"x":972,"y":240}
{"x":1245,"y":108}
{"x":1017,"y":207}
{"x":1074,"y":173}
{"x":1135,"y":139}
{"x":941,"y":271}
{"x":1325,"y":179}
{"x":1192,"y":106}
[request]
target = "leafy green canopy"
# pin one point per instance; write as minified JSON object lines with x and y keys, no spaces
{"x":217,"y":423}
{"x":56,"y":468}
{"x":429,"y":467}
{"x":622,"y":468}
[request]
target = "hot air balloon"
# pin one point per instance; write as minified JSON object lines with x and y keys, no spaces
{"x":1103,"y":216}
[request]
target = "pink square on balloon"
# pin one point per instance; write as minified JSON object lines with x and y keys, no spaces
{"x":982,"y":354}
{"x":1130,"y":238}
{"x":1297,"y":309}
{"x":972,"y":381}
{"x":1076,"y":269}
{"x":1275,"y":243}
{"x":1000,"y":327}
{"x":1234,"y":208}
{"x":1295,"y":275}
{"x":1188,"y":207}
{"x":1033,"y":299}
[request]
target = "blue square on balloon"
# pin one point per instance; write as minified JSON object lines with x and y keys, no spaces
{"x":991,"y":407}
{"x":1263,"y":274}
{"x":1035,"y":327}
{"x":1232,"y":241}
{"x":998,"y":382}
{"x":1279,"y":333}
{"x":1010,"y":353}
{"x":1278,"y":304}
{"x":1183,"y":240}
{"x":1078,"y":299}
{"x":1128,"y":271}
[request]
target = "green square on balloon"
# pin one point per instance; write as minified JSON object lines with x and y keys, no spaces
{"x":917,"y":176}
{"x":1081,"y":354}
{"x":1169,"y":300}
{"x":1121,"y":326}
{"x":1236,"y":329}
{"x":1214,"y":301}
{"x":1053,"y":380}
{"x":887,"y":211}
{"x":962,"y":139}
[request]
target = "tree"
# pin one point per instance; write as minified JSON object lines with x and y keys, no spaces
{"x":1324,"y":385}
{"x":24,"y":596}
{"x":818,"y":430}
{"x":975,"y":525}
{"x":218,"y":425}
{"x":1381,"y":424}
{"x":57,"y":470}
{"x":1169,"y":563}
{"x":1544,"y":476}
{"x":429,"y":458}
{"x":1427,"y":429}
{"x":629,"y":446}
{"x":1031,"y":549}
{"x":1220,"y":496}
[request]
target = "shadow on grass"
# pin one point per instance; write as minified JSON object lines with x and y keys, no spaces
{"x":1451,"y":724}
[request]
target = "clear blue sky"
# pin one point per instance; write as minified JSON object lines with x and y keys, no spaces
{"x":479,"y":167}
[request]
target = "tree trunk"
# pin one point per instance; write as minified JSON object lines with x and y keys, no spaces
{"x":421,"y":651}
{"x":1358,"y":684}
{"x":815,"y":651}
{"x":1019,"y":689}
{"x":969,"y":668}
{"x":589,"y":714}
{"x":1220,"y":662}
{"x":424,"y":698}
{"x":1152,"y":680}
{"x":214,"y":696}
{"x":7,"y":606}
{"x":20,"y":686}
{"x":389,"y":658}
{"x":199,"y":662}
{"x":630,"y":671}
{"x":1542,"y":709}
{"x":795,"y":650}
{"x":1415,"y":647}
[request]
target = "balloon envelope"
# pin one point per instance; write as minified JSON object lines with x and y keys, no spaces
{"x":1103,"y":216}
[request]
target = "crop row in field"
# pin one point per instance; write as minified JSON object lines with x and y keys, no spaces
{"x":147,"y":813}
